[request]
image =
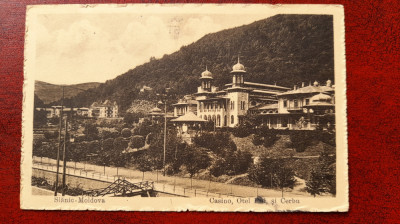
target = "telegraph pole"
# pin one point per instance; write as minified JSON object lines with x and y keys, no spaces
{"x":64,"y":156}
{"x":165,"y":128}
{"x":165,"y":133}
{"x":59,"y":142}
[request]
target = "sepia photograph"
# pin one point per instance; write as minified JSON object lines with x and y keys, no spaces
{"x":200,"y":107}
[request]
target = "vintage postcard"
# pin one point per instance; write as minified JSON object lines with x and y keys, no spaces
{"x":176,"y":107}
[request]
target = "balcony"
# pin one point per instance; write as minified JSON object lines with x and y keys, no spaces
{"x":295,"y":109}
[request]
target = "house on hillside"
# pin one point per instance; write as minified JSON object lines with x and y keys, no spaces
{"x":106,"y":109}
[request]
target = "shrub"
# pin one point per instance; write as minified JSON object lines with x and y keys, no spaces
{"x":126,"y":133}
{"x":301,"y":139}
{"x":257,"y":140}
{"x":218,"y":142}
{"x":241,"y":131}
{"x":137,"y":141}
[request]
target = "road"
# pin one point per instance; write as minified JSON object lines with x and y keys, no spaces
{"x":170,"y":184}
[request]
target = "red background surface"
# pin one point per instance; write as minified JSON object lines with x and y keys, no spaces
{"x":373,"y":97}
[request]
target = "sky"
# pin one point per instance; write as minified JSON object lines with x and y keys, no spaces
{"x":94,"y":47}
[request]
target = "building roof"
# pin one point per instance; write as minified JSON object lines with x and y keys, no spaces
{"x":266,"y":85}
{"x":189,"y":117}
{"x":155,"y":109}
{"x":308,"y":89}
{"x":206,"y":74}
{"x":265,"y":107}
{"x":106,"y":103}
{"x":238,"y":67}
{"x":186,"y":102}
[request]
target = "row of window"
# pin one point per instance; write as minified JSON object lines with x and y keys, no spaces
{"x":218,"y":117}
{"x":295,"y":103}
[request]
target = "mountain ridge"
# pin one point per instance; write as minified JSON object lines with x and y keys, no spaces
{"x":49,"y":93}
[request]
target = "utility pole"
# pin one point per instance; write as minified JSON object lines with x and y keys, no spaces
{"x":59,"y":142}
{"x":64,"y":155}
{"x":165,"y":133}
{"x":165,"y":128}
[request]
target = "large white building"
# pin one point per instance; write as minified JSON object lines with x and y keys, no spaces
{"x":226,"y":107}
{"x":301,"y":108}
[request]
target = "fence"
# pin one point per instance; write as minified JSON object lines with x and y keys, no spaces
{"x":92,"y":172}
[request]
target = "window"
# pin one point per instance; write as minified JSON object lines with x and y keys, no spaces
{"x":232,"y":119}
{"x":296,"y":104}
{"x":307,"y":101}
{"x":285,"y":103}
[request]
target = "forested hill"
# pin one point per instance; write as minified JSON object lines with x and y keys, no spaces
{"x":286,"y":49}
{"x":49,"y":93}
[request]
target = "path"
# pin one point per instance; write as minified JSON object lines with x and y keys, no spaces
{"x":170,"y":184}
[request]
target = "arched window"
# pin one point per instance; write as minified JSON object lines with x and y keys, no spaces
{"x":218,"y":120}
{"x":232,"y":119}
{"x":205,"y":117}
{"x":225,"y":121}
{"x":213,"y":118}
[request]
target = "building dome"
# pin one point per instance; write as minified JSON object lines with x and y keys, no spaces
{"x":238,"y":67}
{"x":321,"y":98}
{"x":155,"y":109}
{"x":206,"y":74}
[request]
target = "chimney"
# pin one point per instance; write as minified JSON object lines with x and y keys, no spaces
{"x":302,"y":84}
{"x":295,"y":87}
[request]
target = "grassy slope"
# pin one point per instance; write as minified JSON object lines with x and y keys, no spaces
{"x":49,"y":93}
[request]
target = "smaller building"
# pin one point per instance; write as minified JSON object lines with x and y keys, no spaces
{"x":145,"y":89}
{"x":185,"y":105}
{"x":106,"y":109}
{"x":188,"y":125}
{"x":301,"y":108}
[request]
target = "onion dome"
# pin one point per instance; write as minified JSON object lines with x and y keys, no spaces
{"x":206,"y":74}
{"x":321,"y":98}
{"x":316,"y":83}
{"x":238,"y":67}
{"x":329,"y":83}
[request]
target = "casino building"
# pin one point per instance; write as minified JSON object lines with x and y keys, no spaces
{"x":226,"y":107}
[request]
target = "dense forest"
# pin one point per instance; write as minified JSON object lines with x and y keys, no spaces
{"x":283,"y":49}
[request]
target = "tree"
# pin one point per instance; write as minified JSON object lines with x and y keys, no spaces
{"x":218,"y":143}
{"x":284,"y":177}
{"x":218,"y":167}
{"x":301,"y":139}
{"x":144,"y":164}
{"x":39,"y":117}
{"x":323,"y":176}
{"x":91,"y":132}
{"x":134,"y":117}
{"x":316,"y":184}
{"x":263,"y":172}
{"x":195,"y":159}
